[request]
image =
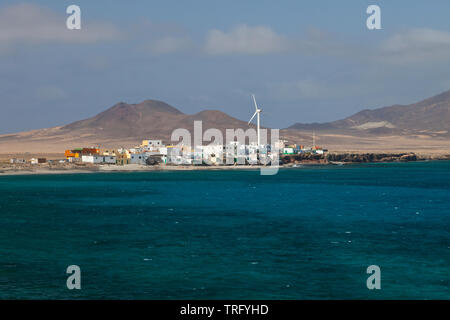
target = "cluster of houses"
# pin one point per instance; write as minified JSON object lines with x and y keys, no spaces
{"x":137,"y":155}
{"x":154,"y":151}
{"x":151,"y":152}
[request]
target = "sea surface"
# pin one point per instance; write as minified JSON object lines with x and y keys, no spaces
{"x":305,"y":233}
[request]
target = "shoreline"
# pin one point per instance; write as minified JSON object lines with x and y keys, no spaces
{"x":123,"y":169}
{"x":161,"y":168}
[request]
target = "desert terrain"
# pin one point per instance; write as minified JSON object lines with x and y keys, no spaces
{"x":421,"y":128}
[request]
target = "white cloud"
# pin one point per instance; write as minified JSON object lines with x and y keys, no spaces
{"x":244,"y":39}
{"x":31,"y":24}
{"x":416,"y":45}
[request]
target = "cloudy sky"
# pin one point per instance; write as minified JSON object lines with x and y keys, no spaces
{"x":306,"y":61}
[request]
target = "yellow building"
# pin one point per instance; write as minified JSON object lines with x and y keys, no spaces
{"x":123,"y":158}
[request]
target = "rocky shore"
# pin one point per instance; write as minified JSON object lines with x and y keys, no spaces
{"x":358,"y":158}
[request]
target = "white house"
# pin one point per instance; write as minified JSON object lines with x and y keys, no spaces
{"x":15,"y":160}
{"x":212,"y":154}
{"x":231,"y":151}
{"x":155,"y":143}
{"x":98,"y":159}
{"x":138,"y":158}
{"x":288,"y":150}
{"x":253,"y":158}
{"x":151,"y":145}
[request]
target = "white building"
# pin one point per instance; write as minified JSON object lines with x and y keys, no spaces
{"x":18,"y":161}
{"x":155,"y":143}
{"x":98,"y":159}
{"x":232,"y":150}
{"x":212,"y":154}
{"x":151,"y":145}
{"x":138,"y":158}
{"x":178,"y":155}
{"x":288,"y":150}
{"x":253,"y":158}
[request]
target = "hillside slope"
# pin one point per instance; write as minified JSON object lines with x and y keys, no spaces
{"x":430,"y":116}
{"x":121,"y":125}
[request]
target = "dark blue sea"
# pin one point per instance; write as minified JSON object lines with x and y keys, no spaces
{"x":305,"y":233}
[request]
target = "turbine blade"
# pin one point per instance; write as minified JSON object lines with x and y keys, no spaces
{"x":254,"y":101}
{"x":252,"y":117}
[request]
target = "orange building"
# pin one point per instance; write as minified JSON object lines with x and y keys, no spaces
{"x":71,"y":154}
{"x":78,"y":152}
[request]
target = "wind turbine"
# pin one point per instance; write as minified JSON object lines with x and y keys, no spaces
{"x":257,"y":112}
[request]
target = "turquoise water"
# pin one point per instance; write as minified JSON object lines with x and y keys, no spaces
{"x":306,"y":233}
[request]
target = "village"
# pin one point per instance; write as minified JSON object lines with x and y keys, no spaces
{"x":155,"y":152}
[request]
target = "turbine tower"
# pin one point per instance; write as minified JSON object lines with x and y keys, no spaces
{"x":257,"y":112}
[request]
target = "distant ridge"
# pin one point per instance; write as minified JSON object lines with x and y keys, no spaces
{"x":430,"y":116}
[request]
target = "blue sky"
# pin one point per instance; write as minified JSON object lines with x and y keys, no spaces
{"x":306,"y":61}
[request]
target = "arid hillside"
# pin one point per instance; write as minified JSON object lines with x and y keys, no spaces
{"x":121,"y":125}
{"x":428,"y":117}
{"x":422,"y":127}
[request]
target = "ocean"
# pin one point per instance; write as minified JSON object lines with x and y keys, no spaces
{"x":305,"y":233}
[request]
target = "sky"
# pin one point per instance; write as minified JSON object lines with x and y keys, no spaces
{"x":306,"y":61}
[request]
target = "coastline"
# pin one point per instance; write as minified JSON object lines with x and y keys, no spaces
{"x":124,"y":168}
{"x":43,"y":170}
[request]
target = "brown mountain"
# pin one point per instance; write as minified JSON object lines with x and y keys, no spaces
{"x":129,"y":121}
{"x":429,"y":117}
{"x":150,"y":118}
{"x":121,"y":125}
{"x":423,"y":127}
